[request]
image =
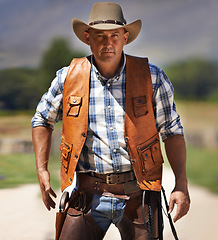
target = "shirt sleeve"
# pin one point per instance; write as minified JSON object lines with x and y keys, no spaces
{"x":50,"y":108}
{"x":168,"y":121}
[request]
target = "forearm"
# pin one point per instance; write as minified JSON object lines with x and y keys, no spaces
{"x":41,"y":137}
{"x":176,"y":153}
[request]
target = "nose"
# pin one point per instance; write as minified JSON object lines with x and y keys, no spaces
{"x":107,"y":41}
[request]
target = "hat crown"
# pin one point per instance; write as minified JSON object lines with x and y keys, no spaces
{"x":106,"y":11}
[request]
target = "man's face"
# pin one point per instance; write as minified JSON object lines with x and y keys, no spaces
{"x":106,"y":45}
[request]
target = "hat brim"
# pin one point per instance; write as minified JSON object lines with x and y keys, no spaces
{"x":80,"y":27}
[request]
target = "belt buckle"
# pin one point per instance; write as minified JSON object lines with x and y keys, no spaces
{"x":108,"y":179}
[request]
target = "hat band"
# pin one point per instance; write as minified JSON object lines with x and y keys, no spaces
{"x":107,"y":21}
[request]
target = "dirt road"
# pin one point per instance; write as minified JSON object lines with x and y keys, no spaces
{"x":23,"y":216}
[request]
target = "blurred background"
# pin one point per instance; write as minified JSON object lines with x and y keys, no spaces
{"x":36,"y":39}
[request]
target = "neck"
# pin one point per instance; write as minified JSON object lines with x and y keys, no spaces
{"x":109,"y":69}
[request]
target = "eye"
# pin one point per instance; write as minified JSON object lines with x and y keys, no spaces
{"x":99,"y":35}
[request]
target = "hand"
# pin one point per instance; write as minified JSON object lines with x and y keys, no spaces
{"x":47,"y":192}
{"x":181,"y":198}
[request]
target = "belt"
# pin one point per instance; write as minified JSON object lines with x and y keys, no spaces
{"x":108,"y":184}
{"x":114,"y":178}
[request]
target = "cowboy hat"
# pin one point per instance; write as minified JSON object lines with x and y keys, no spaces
{"x":106,"y":16}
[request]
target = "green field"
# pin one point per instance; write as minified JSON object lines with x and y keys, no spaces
{"x":17,"y":169}
{"x":202,"y":163}
{"x":202,"y":167}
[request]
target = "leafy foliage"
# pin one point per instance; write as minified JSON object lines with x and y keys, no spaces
{"x":58,"y":55}
{"x":195,"y":79}
{"x":21,"y":89}
{"x":18,"y":89}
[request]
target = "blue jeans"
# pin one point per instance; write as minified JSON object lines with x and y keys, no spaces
{"x":107,"y":210}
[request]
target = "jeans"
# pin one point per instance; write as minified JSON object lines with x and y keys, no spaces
{"x":107,"y":210}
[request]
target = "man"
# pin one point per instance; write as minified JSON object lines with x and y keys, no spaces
{"x":113,"y":108}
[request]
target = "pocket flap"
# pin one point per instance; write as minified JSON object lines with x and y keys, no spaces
{"x":155,"y":147}
{"x":146,"y":154}
{"x":139,"y":101}
{"x":66,"y":149}
{"x":140,"y":106}
{"x":73,"y":106}
{"x":65,"y":153}
{"x":74,"y":100}
{"x":153,"y":141}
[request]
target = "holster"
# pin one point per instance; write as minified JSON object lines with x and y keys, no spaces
{"x":77,"y":203}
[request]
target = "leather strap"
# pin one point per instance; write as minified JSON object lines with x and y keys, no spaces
{"x":107,"y":21}
{"x":113,"y":178}
{"x":99,"y":186}
{"x":169,"y":216}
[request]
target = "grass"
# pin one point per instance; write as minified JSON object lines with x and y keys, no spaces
{"x":17,"y":169}
{"x":202,"y":167}
{"x":202,"y":163}
{"x":15,"y":126}
{"x":198,"y":115}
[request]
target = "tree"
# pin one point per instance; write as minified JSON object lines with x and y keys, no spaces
{"x":22,"y":88}
{"x":58,"y":55}
{"x":18,"y":89}
{"x":194,"y":79}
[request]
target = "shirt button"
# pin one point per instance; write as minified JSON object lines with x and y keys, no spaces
{"x":115,"y":150}
{"x":118,"y":170}
{"x":109,"y":107}
{"x":111,"y":128}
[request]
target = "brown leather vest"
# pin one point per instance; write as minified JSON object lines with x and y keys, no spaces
{"x":140,"y":131}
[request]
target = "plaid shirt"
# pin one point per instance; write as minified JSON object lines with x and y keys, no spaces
{"x":105,"y":149}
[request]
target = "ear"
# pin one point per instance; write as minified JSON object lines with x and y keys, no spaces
{"x":87,"y":37}
{"x":126,"y":35}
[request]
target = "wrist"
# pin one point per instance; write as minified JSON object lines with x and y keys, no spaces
{"x":41,"y":165}
{"x":181,"y":184}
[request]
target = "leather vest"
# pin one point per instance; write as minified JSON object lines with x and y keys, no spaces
{"x":140,"y":131}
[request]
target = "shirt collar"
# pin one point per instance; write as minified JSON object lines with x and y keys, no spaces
{"x":113,"y":79}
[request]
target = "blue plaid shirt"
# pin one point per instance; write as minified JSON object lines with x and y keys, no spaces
{"x":105,"y":149}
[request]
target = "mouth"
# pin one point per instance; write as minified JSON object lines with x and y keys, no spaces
{"x":107,"y":51}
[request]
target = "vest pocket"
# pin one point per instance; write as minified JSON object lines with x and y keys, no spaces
{"x":151,"y":158}
{"x":73,"y":106}
{"x":66,"y":149}
{"x":140,"y":106}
